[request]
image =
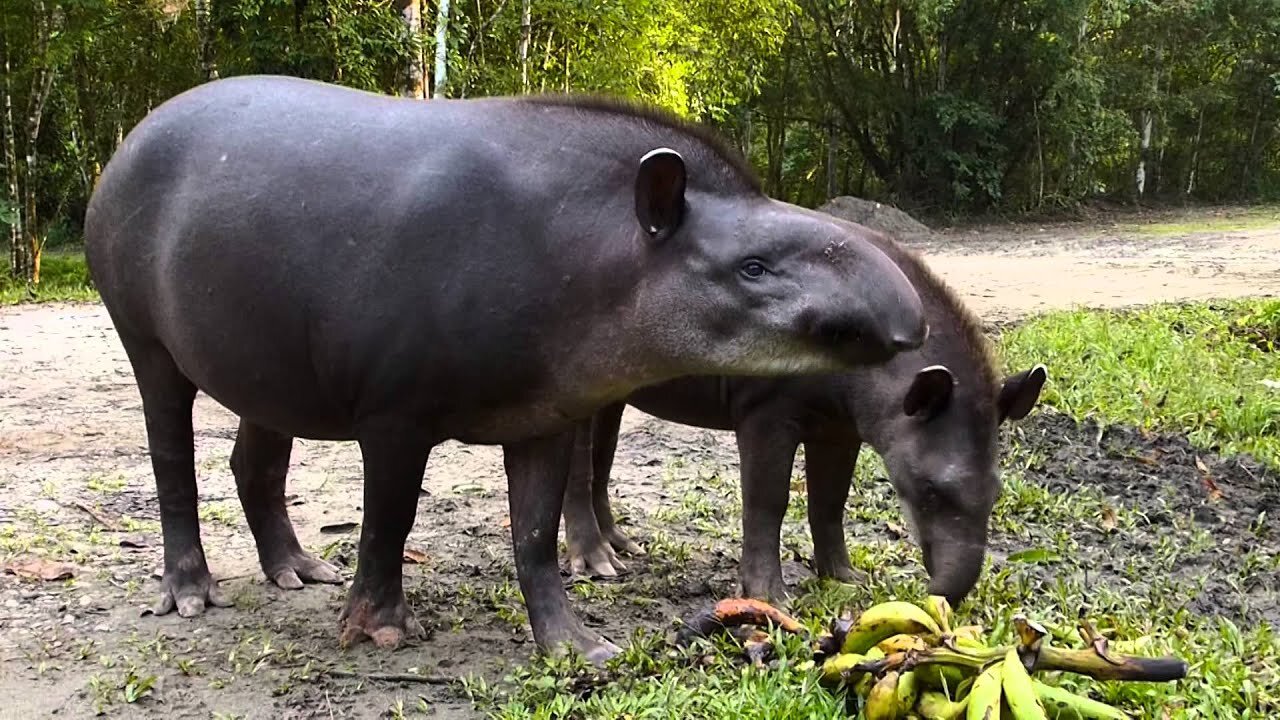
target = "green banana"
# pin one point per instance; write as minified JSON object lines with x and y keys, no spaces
{"x":1061,"y":704}
{"x":882,"y":701}
{"x":863,"y":686}
{"x":940,"y":676}
{"x":940,"y":610}
{"x":885,"y":620}
{"x":935,"y":706}
{"x":908,"y":690}
{"x":839,"y":667}
{"x":984,"y":697}
{"x":1018,"y":691}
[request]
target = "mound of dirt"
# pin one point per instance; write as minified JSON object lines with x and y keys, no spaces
{"x":877,"y":216}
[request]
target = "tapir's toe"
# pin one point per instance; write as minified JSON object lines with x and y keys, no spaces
{"x":189,"y":594}
{"x":293,"y":571}
{"x":386,"y":626}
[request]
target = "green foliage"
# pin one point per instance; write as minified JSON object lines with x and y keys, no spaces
{"x":1211,"y":371}
{"x":64,"y":276}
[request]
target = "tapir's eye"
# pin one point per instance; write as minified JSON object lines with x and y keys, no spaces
{"x":754,"y":269}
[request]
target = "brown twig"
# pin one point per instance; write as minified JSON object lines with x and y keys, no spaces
{"x":390,"y":677}
{"x":103,"y":521}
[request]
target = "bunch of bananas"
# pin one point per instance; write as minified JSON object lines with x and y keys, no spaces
{"x":905,"y":660}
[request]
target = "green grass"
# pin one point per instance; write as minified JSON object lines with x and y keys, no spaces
{"x":1196,"y":368}
{"x":1200,"y":369}
{"x":63,"y":276}
{"x":1250,"y":219}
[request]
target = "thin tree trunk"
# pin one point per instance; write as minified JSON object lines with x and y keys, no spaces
{"x":526,"y":26}
{"x":41,"y":87}
{"x":1148,"y":121}
{"x":208,"y":66}
{"x":442,"y":54}
{"x":1035,"y":111}
{"x":546,"y":60}
{"x":832,"y":139}
{"x":14,"y":200}
{"x":1253,"y":138}
{"x":415,"y":74}
{"x":746,"y":133}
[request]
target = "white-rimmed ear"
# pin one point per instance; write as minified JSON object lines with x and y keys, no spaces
{"x":1019,"y":393}
{"x":930,"y":392}
{"x":660,"y":184}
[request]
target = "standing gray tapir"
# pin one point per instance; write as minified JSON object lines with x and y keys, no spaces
{"x":931,"y":413}
{"x":334,"y":264}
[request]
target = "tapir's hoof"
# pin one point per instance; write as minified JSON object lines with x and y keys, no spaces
{"x":597,"y":561}
{"x":599,"y":654}
{"x":386,"y":627}
{"x":620,"y":542}
{"x":189,"y":598}
{"x":292,"y":572}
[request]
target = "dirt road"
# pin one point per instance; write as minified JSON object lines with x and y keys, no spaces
{"x":75,"y":487}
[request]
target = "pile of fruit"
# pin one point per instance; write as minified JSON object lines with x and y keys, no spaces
{"x":905,"y":660}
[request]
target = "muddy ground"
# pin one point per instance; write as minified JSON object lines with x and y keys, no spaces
{"x":76,"y":488}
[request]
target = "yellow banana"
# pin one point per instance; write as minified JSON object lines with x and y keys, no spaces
{"x":940,"y":610}
{"x":1063,"y":704}
{"x":839,"y":667}
{"x":969,"y":632}
{"x":903,"y":642}
{"x":908,"y":690}
{"x":1018,"y":691}
{"x":984,"y":697}
{"x":885,"y":620}
{"x":935,"y":706}
{"x":882,"y":701}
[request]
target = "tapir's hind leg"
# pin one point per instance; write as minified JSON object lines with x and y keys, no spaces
{"x":167,"y":398}
{"x":260,"y":461}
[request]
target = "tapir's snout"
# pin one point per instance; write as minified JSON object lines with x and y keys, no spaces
{"x":888,"y":323}
{"x":953,"y":567}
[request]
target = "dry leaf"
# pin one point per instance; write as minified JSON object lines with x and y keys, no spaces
{"x":40,"y":569}
{"x":338,"y":528}
{"x":898,"y":530}
{"x":417,"y":557}
{"x":1210,"y":486}
{"x":1108,"y":518}
{"x":506,"y":521}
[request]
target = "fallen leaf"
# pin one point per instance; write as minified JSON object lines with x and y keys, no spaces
{"x":338,"y":528}
{"x":1108,"y":518}
{"x":1211,"y":487}
{"x":417,"y":557}
{"x":898,"y":530}
{"x":1273,"y":384}
{"x":506,"y":521}
{"x":132,"y":542}
{"x":41,"y":569}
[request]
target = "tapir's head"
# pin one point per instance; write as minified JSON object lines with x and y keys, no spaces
{"x":743,"y":284}
{"x":940,"y":448}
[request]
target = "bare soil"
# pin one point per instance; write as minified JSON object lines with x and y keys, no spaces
{"x":76,"y":488}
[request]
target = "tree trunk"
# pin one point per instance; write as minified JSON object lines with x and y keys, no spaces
{"x":1035,"y":112}
{"x":1245,"y":168}
{"x":442,"y":48}
{"x":526,"y":26}
{"x":1148,"y":120}
{"x":14,"y":200}
{"x":41,"y":87}
{"x":415,"y":74}
{"x":832,"y":139}
{"x":204,"y":29}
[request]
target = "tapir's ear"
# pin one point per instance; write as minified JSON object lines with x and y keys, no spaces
{"x":1020,"y":392}
{"x":930,"y":392}
{"x":660,"y":191}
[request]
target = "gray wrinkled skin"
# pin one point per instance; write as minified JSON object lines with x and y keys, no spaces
{"x":931,"y":413}
{"x":333,"y":264}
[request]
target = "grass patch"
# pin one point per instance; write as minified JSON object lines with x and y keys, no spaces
{"x":1249,"y":219}
{"x":64,"y":276}
{"x":1209,"y":370}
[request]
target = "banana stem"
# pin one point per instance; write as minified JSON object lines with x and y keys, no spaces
{"x":1080,"y":661}
{"x":1126,"y":667}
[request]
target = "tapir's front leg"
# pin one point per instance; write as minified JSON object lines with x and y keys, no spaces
{"x":394,"y":459}
{"x":767,"y":452}
{"x":537,"y":473}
